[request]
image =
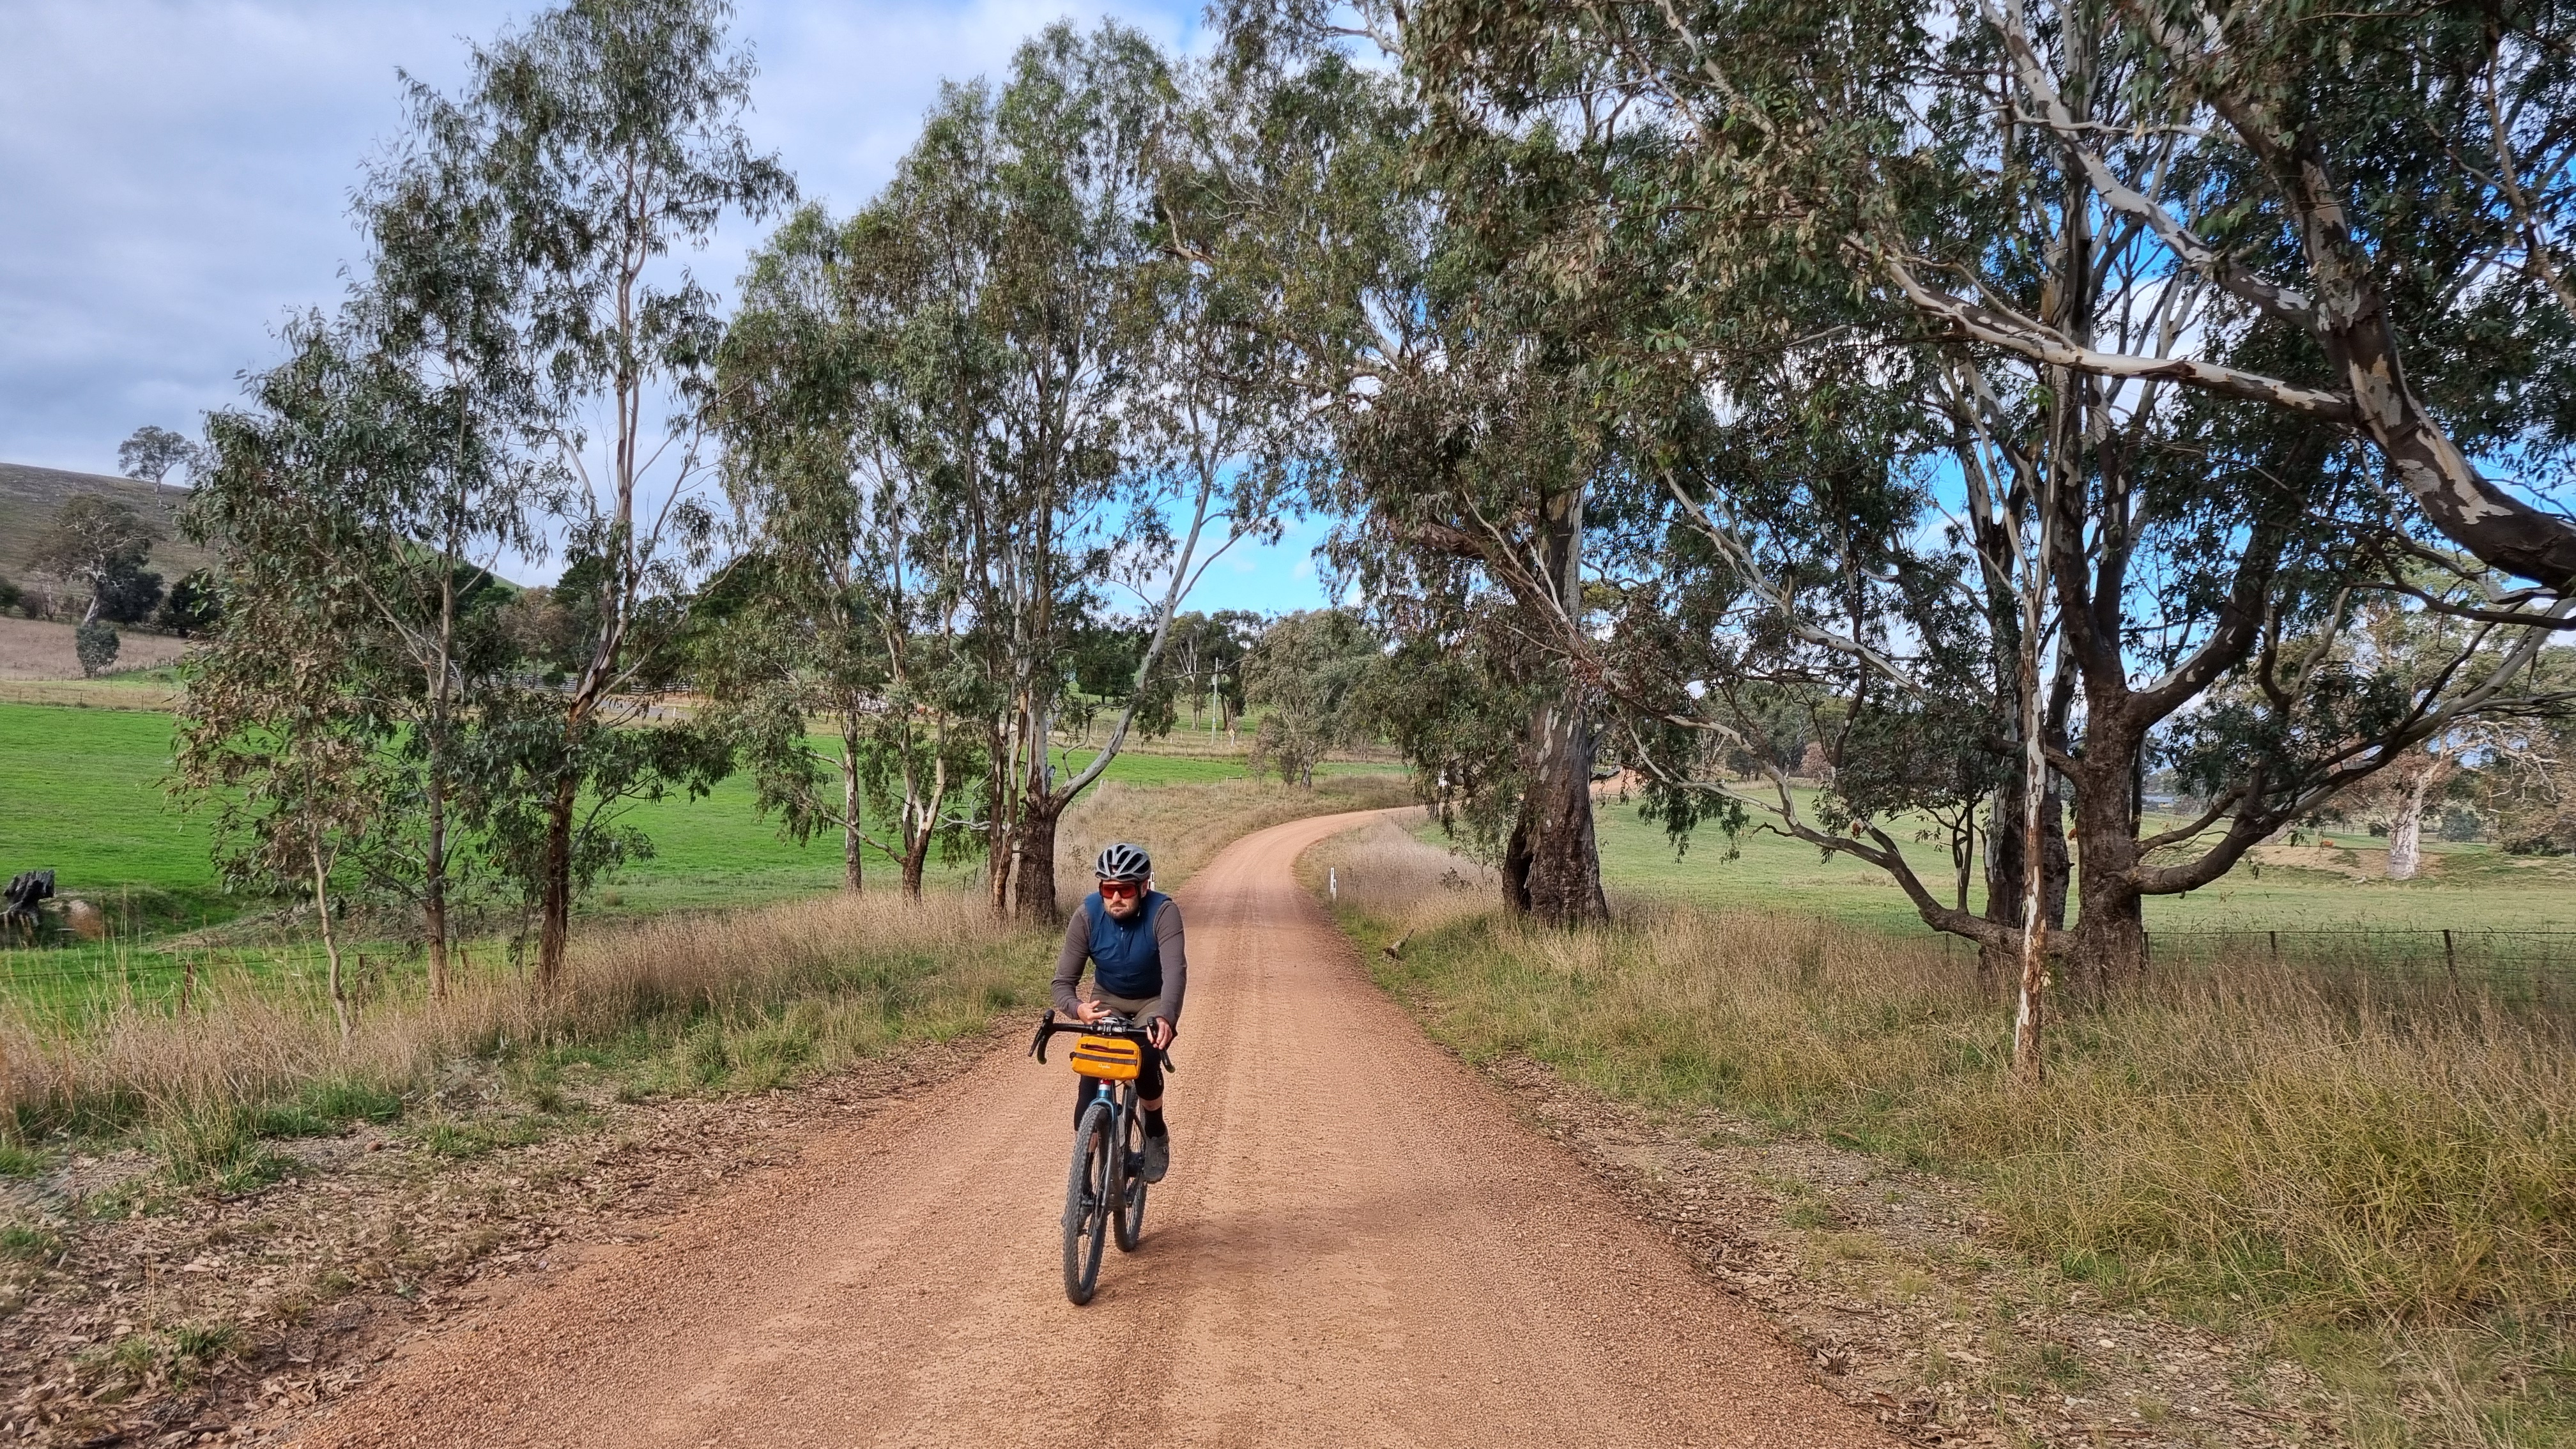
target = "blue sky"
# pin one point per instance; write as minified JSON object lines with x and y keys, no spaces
{"x":174,"y":180}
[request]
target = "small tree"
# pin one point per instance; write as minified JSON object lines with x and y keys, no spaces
{"x":153,"y":451}
{"x":1313,"y":669}
{"x":99,"y":542}
{"x":96,"y":646}
{"x":282,"y":731}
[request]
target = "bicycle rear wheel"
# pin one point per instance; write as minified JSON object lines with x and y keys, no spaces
{"x":1130,"y":1211}
{"x":1088,"y":1187}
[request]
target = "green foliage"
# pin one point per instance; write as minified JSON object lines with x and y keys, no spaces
{"x":28,"y":1242}
{"x":1316,"y":671}
{"x":96,"y":645}
{"x":128,"y":595}
{"x":194,"y":605}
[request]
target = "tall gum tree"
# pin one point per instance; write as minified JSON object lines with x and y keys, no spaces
{"x":608,"y":133}
{"x":851,"y":616}
{"x":1060,"y":377}
{"x":1444,"y":385}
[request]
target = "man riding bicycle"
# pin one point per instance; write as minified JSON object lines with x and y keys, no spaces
{"x":1131,"y":936}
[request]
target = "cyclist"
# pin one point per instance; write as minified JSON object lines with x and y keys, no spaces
{"x":1130,"y":933}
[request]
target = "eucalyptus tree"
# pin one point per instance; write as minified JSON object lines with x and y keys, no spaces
{"x":844,"y":614}
{"x":455,"y":488}
{"x":1058,"y":379}
{"x":1207,"y":659}
{"x":287,"y":726}
{"x":604,"y":134}
{"x":98,"y":542}
{"x":2072,"y":264}
{"x":1317,"y":671}
{"x":1452,"y":388}
{"x":153,"y":451}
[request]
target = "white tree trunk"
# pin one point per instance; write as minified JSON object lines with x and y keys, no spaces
{"x":2406,"y":837}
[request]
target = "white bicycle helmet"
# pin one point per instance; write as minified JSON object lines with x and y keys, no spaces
{"x":1122,"y":861}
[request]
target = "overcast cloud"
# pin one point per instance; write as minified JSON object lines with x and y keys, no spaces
{"x":175,"y":176}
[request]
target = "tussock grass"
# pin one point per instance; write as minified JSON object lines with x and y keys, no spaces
{"x":2340,"y":1156}
{"x":795,"y":986}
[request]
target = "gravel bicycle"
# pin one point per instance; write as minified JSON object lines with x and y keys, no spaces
{"x":1104,"y":1193}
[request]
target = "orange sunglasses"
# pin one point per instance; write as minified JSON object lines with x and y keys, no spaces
{"x":1121,"y":890}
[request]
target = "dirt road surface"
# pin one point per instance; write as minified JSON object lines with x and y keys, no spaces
{"x":1358,"y":1245}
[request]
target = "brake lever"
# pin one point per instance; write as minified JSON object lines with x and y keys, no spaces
{"x":1046,"y":1028}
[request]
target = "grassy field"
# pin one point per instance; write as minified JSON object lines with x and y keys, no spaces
{"x":85,"y":792}
{"x":2339,"y":883}
{"x":86,"y":797}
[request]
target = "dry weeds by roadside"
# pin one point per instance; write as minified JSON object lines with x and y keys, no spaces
{"x":245,"y":1044}
{"x":2377,"y":1187}
{"x":230,"y":1318}
{"x":1894,"y":1283}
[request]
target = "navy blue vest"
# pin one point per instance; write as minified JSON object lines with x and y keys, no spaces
{"x":1125,"y":961}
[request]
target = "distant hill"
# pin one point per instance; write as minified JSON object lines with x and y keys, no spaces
{"x":29,"y":496}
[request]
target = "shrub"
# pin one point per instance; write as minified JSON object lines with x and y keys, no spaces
{"x":192,"y":607}
{"x":96,"y":644}
{"x":129,"y":595}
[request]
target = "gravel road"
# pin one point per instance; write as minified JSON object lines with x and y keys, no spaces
{"x":1358,"y":1245}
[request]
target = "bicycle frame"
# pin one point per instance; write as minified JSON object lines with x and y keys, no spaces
{"x":1116,"y":1195}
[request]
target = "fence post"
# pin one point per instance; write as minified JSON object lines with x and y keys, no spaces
{"x":187,"y":983}
{"x":2450,"y":956}
{"x":1332,"y":882}
{"x":2276,"y":944}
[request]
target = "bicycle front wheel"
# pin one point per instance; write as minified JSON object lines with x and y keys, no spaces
{"x":1089,"y":1186}
{"x":1130,"y":1211}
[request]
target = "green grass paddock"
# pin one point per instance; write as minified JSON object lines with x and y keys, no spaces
{"x":2468,"y":886}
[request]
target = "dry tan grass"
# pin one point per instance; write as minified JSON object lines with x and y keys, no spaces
{"x":38,"y":649}
{"x":1381,"y":871}
{"x":2255,"y":1130}
{"x":943,"y":960}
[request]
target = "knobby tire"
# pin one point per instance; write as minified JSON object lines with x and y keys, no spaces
{"x":1131,"y":1198}
{"x":1089,"y":1185}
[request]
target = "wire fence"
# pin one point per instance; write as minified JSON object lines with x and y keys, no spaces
{"x":2533,"y":966}
{"x":83,"y":980}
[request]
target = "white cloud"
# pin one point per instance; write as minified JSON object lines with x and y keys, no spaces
{"x":174,"y":174}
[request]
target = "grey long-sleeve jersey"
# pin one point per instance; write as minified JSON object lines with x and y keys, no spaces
{"x":1076,"y":954}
